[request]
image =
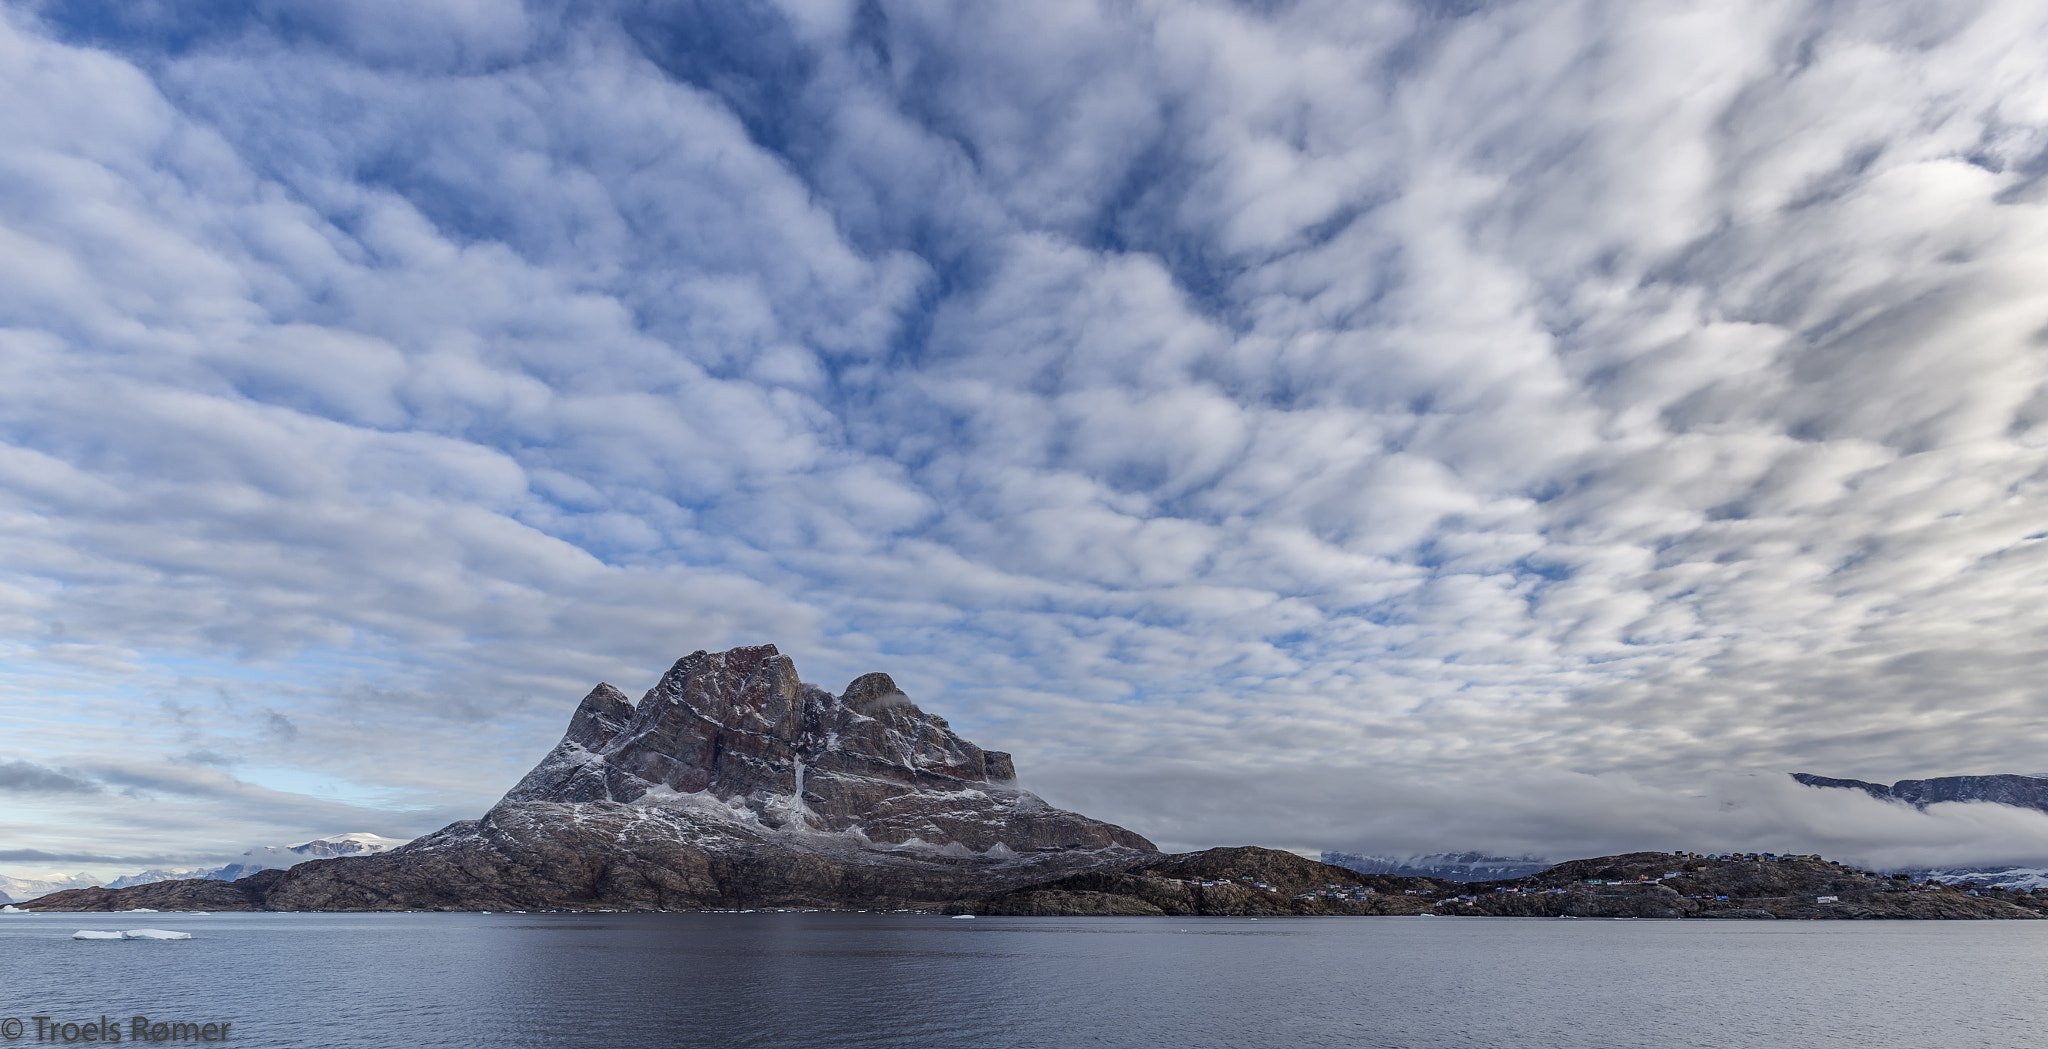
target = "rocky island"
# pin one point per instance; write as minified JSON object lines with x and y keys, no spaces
{"x":733,"y":784}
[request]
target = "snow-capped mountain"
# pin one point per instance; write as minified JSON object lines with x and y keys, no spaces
{"x":736,"y":737}
{"x":266,"y":857}
{"x":21,"y":890}
{"x":282,"y":857}
{"x":155,"y":874}
{"x":1445,"y":866}
{"x":1999,"y":877}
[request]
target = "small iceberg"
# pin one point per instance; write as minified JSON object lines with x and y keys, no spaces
{"x":140,"y":910}
{"x":958,"y":916}
{"x":12,"y":909}
{"x":130,"y":934}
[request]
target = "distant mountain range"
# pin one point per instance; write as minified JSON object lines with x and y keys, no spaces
{"x":2024,"y":791}
{"x":270,"y":857}
{"x":285,"y":857}
{"x":2028,"y":792}
{"x":19,"y":890}
{"x":267,"y":857}
{"x":1442,"y":866}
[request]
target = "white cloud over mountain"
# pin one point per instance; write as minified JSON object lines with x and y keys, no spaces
{"x":1331,"y":424}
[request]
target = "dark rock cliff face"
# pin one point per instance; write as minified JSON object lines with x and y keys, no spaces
{"x":740,"y":729}
{"x":2030,"y":792}
{"x":732,"y":783}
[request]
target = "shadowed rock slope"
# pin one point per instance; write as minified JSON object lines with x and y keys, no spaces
{"x":731,"y":783}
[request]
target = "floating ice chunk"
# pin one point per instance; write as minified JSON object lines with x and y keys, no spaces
{"x":140,"y":910}
{"x":155,"y":934}
{"x":958,"y":916}
{"x":12,"y":909}
{"x":95,"y":934}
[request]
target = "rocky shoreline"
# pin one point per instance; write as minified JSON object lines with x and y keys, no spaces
{"x":1228,"y":882}
{"x":1233,"y":882}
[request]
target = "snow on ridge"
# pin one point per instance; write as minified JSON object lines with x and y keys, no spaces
{"x":2002,"y":877}
{"x":22,"y":890}
{"x":370,"y":842}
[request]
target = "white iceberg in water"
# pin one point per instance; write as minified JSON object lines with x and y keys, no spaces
{"x":140,"y":910}
{"x":12,"y":909}
{"x":130,"y":934}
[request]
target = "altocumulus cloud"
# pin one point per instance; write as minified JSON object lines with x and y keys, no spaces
{"x":1528,"y":426}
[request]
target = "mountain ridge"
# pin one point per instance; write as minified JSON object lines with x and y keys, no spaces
{"x":730,"y":783}
{"x":2023,"y":791}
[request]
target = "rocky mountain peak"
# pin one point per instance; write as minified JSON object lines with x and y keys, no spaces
{"x":870,"y":694}
{"x":731,"y":783}
{"x":740,"y":728}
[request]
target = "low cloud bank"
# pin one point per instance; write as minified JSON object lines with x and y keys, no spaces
{"x":1563,"y":815}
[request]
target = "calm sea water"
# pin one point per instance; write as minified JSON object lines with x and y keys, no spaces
{"x":829,"y":980}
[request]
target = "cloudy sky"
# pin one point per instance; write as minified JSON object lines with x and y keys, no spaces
{"x":1386,"y":425}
